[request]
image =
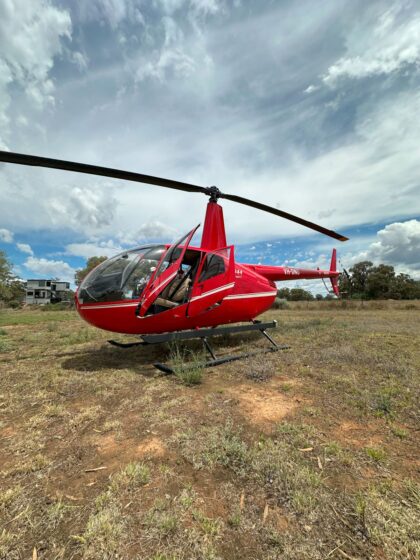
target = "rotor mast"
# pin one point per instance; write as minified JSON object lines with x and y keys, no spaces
{"x":214,"y":235}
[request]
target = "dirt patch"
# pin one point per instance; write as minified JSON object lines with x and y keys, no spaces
{"x":112,"y":449}
{"x":263,"y":406}
{"x":358,"y":435}
{"x":151,"y":447}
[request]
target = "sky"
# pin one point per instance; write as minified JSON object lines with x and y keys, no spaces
{"x":312,"y":107}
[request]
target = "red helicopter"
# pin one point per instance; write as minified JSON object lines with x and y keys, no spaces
{"x":179,"y":292}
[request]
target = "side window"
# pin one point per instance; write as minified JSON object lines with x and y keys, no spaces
{"x":213,"y":265}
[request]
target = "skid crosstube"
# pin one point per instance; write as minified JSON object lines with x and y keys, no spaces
{"x":204,"y":334}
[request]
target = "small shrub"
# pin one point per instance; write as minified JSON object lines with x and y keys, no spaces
{"x":333,"y":448}
{"x":258,"y":368}
{"x":286,"y":387}
{"x":134,"y":474}
{"x":104,"y":534}
{"x":234,"y":520}
{"x":4,"y":345}
{"x":209,"y":526}
{"x":188,"y":366}
{"x":280,"y":303}
{"x":399,"y":432}
{"x":81,"y":336}
{"x":376,"y":454}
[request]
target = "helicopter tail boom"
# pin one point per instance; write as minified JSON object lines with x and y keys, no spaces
{"x":283,"y":273}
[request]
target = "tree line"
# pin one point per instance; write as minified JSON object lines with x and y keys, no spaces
{"x":364,"y":281}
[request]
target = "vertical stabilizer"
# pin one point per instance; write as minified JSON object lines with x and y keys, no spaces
{"x":333,"y":268}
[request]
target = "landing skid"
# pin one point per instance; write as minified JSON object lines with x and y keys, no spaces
{"x":204,"y":335}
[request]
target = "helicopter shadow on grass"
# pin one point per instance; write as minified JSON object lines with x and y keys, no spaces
{"x":140,"y":359}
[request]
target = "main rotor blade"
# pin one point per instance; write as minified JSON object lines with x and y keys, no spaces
{"x":213,"y":192}
{"x":24,"y":159}
{"x":283,"y":214}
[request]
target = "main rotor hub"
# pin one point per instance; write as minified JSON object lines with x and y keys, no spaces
{"x":214,"y":193}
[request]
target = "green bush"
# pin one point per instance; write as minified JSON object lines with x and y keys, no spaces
{"x":280,"y":303}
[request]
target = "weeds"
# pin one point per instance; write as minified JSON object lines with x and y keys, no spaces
{"x":215,"y":446}
{"x":131,"y":477}
{"x":376,"y":454}
{"x":104,"y":533}
{"x":258,"y":368}
{"x":81,"y":336}
{"x":392,"y":519}
{"x":399,"y":432}
{"x":188,"y":366}
{"x":4,"y":345}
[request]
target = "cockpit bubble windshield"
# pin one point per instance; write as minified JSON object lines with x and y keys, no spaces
{"x":122,"y":277}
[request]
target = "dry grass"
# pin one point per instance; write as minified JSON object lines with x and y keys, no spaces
{"x":309,"y":453}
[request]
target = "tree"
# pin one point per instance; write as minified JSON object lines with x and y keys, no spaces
{"x":91,"y":263}
{"x":359,"y":276}
{"x":299,"y":294}
{"x":11,"y":288}
{"x":378,"y":282}
{"x":283,"y":293}
{"x":404,"y":287}
{"x":295,"y":294}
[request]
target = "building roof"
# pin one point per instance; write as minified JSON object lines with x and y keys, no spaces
{"x":46,"y":280}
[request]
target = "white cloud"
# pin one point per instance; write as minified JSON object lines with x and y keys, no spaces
{"x":397,"y":244}
{"x":206,"y":6}
{"x":311,"y":89}
{"x":390,"y":46}
{"x":155,"y":230}
{"x":31,"y":34}
{"x":50,"y":268}
{"x":113,"y":12}
{"x":167,"y":61}
{"x":25,"y":248}
{"x":175,"y":56}
{"x":80,"y":60}
{"x":92,"y":207}
{"x":6,"y":235}
{"x":374,"y":176}
{"x":93,"y":249}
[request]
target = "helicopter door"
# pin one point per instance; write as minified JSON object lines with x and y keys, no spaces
{"x":214,"y":281}
{"x":165,"y":272}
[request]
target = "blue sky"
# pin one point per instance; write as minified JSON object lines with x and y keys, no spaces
{"x":309,"y":106}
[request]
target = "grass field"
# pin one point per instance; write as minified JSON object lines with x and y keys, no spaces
{"x":308,"y":453}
